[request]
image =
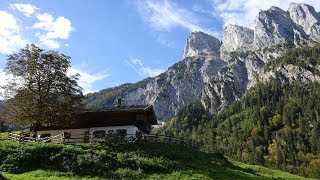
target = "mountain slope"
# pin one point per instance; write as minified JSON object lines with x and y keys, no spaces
{"x":276,"y":123}
{"x":220,"y":73}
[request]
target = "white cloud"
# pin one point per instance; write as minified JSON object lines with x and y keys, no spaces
{"x":48,"y":30}
{"x":86,"y":79}
{"x":243,"y":12}
{"x":54,"y":29}
{"x":164,"y":15}
{"x":26,"y":9}
{"x":5,"y":78}
{"x":10,"y":38}
{"x":142,"y":70}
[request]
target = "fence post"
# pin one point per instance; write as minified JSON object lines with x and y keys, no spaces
{"x":62,"y":138}
{"x":20,"y":138}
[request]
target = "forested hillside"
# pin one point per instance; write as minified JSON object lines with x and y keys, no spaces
{"x":276,"y":124}
{"x":107,"y":97}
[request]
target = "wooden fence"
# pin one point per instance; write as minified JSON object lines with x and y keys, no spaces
{"x":24,"y":138}
{"x":107,"y":139}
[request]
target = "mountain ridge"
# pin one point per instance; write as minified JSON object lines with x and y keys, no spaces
{"x":219,"y":73}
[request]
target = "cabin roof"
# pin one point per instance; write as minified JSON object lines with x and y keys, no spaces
{"x":122,"y":109}
{"x":105,"y":117}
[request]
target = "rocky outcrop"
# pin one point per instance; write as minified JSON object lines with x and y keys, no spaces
{"x":201,"y":44}
{"x":290,"y":73}
{"x":272,"y":27}
{"x":307,"y":18}
{"x":180,"y":85}
{"x":315,"y":32}
{"x":295,"y":26}
{"x":235,"y":37}
{"x":304,"y":16}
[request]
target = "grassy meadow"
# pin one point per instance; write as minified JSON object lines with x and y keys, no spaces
{"x":128,"y":161}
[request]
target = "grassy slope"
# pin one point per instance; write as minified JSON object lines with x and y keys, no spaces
{"x":191,"y":164}
{"x":45,"y":175}
{"x":210,"y":172}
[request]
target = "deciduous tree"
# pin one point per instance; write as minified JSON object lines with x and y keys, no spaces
{"x":43,"y":92}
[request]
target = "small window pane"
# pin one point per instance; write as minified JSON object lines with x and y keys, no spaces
{"x":122,"y":132}
{"x":99,"y":134}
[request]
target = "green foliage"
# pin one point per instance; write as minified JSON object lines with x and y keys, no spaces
{"x":43,"y":92}
{"x":278,"y":47}
{"x":107,"y":97}
{"x":128,"y":161}
{"x":272,"y":125}
{"x":283,"y":123}
{"x":305,"y":57}
{"x":238,"y":54}
{"x":3,"y":135}
{"x":86,"y":159}
{"x":42,"y":175}
{"x":190,"y":123}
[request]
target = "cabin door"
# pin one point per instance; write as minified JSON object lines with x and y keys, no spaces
{"x":86,"y":137}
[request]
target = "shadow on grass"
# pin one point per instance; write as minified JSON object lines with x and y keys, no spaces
{"x":2,"y":177}
{"x":191,"y":161}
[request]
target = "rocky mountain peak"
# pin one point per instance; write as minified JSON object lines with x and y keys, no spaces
{"x":235,"y":36}
{"x":304,"y":16}
{"x":201,"y":44}
{"x":219,"y":73}
{"x":301,"y":23}
{"x":307,"y":18}
{"x":272,"y":27}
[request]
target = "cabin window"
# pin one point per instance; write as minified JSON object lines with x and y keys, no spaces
{"x":110,"y":131}
{"x":43,"y":135}
{"x":122,"y":132}
{"x":99,"y":134}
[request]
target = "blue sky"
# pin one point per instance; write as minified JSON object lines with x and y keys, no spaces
{"x":118,"y":41}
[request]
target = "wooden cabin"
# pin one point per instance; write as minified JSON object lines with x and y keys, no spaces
{"x":95,"y":125}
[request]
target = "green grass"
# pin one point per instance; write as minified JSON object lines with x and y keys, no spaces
{"x":267,"y":172}
{"x":3,"y":136}
{"x":130,"y":161}
{"x":45,"y":175}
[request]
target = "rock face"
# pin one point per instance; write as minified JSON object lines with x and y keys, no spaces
{"x":235,"y":37}
{"x":220,"y":74}
{"x":180,"y":85}
{"x":201,"y":44}
{"x":307,"y":18}
{"x":273,"y":26}
{"x":304,"y":15}
{"x":295,"y":26}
